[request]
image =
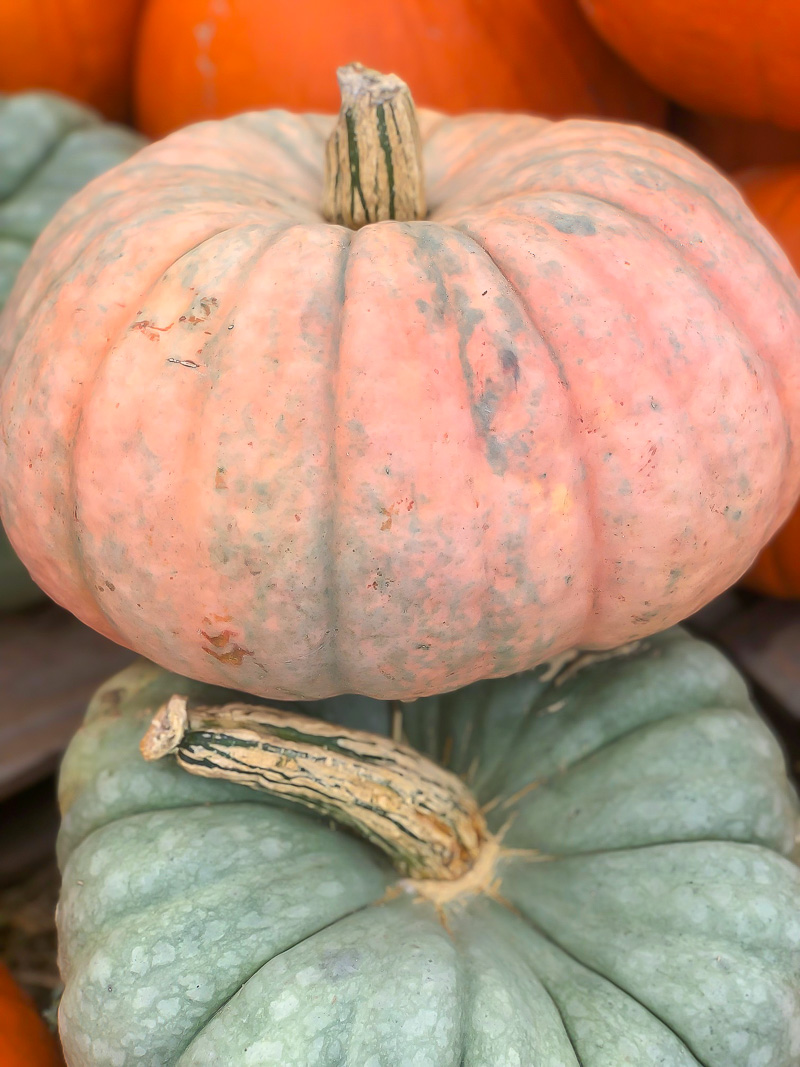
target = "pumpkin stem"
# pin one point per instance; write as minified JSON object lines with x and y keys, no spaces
{"x":422,"y":816}
{"x":373,"y":159}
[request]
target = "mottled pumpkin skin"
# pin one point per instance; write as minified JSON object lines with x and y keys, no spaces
{"x":199,"y":60}
{"x":739,"y":58}
{"x":280,"y":455}
{"x":50,"y":147}
{"x":774,"y":195}
{"x":648,"y":918}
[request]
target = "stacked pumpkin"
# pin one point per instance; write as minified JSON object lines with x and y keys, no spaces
{"x":524,"y":387}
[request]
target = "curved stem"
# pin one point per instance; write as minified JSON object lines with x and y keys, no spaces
{"x":422,"y":816}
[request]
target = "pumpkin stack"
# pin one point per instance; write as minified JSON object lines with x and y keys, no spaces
{"x":412,"y":408}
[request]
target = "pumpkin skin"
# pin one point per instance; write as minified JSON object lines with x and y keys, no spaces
{"x":24,"y":1039}
{"x":275,"y":454}
{"x":198,"y":60}
{"x":743,"y":60}
{"x":77,"y":47}
{"x":774,"y":195}
{"x":202,"y":924}
{"x":50,"y":147}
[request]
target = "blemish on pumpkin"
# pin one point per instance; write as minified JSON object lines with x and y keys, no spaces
{"x":189,"y":363}
{"x":220,"y":481}
{"x":510,"y":364}
{"x":235,"y":655}
{"x":220,"y":639}
{"x":145,"y":324}
{"x":110,"y":585}
{"x":389,"y":512}
{"x":580,"y":225}
{"x":112,"y":702}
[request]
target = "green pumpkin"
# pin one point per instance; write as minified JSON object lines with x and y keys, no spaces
{"x":50,"y":147}
{"x":643,"y":911}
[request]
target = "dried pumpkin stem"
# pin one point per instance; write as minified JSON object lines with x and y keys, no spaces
{"x":422,"y":816}
{"x":373,"y":159}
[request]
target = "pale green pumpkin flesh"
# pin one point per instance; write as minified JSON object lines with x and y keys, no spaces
{"x":646,"y":913}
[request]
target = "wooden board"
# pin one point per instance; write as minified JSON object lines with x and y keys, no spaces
{"x":50,"y":664}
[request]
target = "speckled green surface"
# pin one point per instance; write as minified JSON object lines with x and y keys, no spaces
{"x":50,"y":147}
{"x":656,"y":925}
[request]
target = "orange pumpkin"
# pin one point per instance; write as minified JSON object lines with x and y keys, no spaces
{"x":80,"y":48}
{"x":774,"y":194}
{"x":277,"y":454}
{"x":25,"y":1041}
{"x":201,"y":59}
{"x":732,"y":143}
{"x":741,"y":57}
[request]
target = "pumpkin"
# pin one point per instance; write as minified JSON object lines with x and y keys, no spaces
{"x":636,"y":906}
{"x":24,"y":1039}
{"x":742,"y":59}
{"x":81,"y":48}
{"x":733,"y":144}
{"x":198,"y":60}
{"x":276,"y":454}
{"x":49,"y":148}
{"x":774,"y":195}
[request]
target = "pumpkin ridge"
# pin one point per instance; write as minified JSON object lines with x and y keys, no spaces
{"x":71,"y":118}
{"x":501,"y":799}
{"x":552,"y":940}
{"x":769,"y":371}
{"x":163,"y":903}
{"x":699,"y":192}
{"x":602,"y":978}
{"x":768,"y":375}
{"x":590,"y":501}
{"x":82,"y":960}
{"x":760,"y":959}
{"x":270,"y":130}
{"x":602,"y":981}
{"x":92,"y":579}
{"x":330,"y":533}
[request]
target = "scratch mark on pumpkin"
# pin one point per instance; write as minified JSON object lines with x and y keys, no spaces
{"x":190,"y":363}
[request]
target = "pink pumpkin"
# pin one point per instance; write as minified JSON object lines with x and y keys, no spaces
{"x":276,"y":454}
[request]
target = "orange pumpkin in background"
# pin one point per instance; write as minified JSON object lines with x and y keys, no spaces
{"x":25,"y":1041}
{"x":81,"y":48}
{"x":732,"y":143}
{"x":270,"y":452}
{"x":774,"y":195}
{"x":739,"y":57}
{"x":200,"y":59}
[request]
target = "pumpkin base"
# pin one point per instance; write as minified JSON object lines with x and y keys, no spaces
{"x":482,"y":879}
